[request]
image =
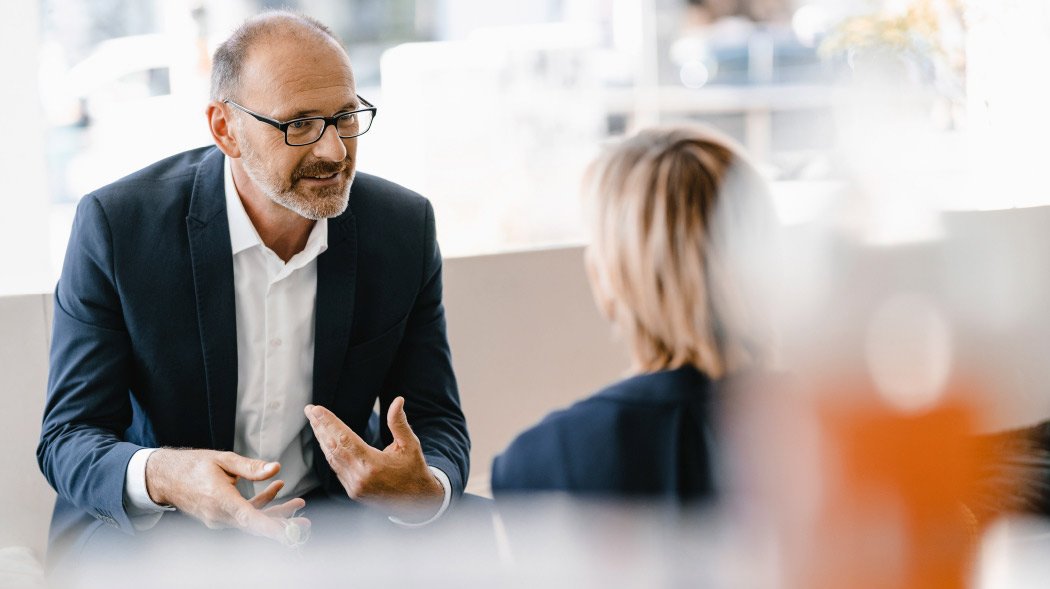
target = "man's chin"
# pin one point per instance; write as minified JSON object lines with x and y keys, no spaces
{"x":315,"y":206}
{"x":337,"y":208}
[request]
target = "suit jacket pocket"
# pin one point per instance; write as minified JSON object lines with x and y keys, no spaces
{"x":383,"y":344}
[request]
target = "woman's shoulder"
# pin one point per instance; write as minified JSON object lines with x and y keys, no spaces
{"x":544,"y":455}
{"x":656,"y":388}
{"x":653,"y":389}
{"x":613,"y":439}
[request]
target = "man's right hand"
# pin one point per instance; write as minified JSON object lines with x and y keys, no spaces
{"x":201,"y":483}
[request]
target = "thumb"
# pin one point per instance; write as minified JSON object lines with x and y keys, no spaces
{"x":397,"y":421}
{"x":247,"y":468}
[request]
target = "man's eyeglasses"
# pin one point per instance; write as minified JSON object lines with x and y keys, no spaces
{"x":307,"y":130}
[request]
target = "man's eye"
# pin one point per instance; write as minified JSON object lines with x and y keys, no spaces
{"x":298,"y":124}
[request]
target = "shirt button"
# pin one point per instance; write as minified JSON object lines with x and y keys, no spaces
{"x":275,"y":342}
{"x":274,"y":405}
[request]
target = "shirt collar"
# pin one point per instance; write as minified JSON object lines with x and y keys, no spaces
{"x":243,"y":234}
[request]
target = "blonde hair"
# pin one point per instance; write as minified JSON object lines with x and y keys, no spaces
{"x":666,"y":208}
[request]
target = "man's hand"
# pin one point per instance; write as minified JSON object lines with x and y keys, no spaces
{"x":201,"y":484}
{"x":395,"y":479}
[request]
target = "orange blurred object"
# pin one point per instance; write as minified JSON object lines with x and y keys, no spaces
{"x":894,"y":512}
{"x":859,"y":492}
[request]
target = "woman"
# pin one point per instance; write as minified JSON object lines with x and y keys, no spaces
{"x":677,"y":218}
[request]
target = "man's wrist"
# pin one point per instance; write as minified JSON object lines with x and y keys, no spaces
{"x":155,"y":488}
{"x":136,"y":484}
{"x":446,"y":486}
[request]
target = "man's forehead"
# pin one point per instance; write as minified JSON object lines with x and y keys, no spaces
{"x":292,"y":55}
{"x":299,"y":76}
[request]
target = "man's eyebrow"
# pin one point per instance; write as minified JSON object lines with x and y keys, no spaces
{"x":349,"y":106}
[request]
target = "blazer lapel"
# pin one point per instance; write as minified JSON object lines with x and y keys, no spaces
{"x":212,"y":260}
{"x":336,"y":274}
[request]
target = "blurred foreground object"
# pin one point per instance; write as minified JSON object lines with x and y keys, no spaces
{"x":861,"y":493}
{"x":1015,"y":473}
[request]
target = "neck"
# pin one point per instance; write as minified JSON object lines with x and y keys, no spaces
{"x":280,"y":229}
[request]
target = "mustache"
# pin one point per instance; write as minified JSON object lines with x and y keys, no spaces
{"x":322,"y":168}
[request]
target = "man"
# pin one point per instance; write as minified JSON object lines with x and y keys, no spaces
{"x":241,"y":308}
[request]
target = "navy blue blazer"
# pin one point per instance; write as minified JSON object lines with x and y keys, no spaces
{"x":144,"y":344}
{"x":646,"y":437}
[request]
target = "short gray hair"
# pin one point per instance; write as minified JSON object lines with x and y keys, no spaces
{"x":228,"y":60}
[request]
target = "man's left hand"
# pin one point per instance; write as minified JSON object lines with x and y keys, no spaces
{"x":395,"y":479}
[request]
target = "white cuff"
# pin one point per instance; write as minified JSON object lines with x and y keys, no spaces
{"x":447,"y":486}
{"x":141,"y":510}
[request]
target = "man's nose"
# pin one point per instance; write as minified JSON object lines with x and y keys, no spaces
{"x":330,"y":147}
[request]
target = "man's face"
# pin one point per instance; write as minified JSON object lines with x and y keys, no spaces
{"x":290,"y":79}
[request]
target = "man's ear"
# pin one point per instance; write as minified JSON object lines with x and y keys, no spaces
{"x":221,"y":127}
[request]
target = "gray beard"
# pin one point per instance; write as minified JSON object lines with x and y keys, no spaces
{"x":326,"y":204}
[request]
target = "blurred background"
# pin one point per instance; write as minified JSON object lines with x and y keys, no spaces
{"x":492,"y":109}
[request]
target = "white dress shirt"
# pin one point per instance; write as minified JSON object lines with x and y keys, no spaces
{"x":275,"y":307}
{"x":275,"y":304}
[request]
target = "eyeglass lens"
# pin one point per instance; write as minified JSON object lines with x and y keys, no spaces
{"x":347,"y":126}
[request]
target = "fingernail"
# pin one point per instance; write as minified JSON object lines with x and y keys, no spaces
{"x":270,"y":466}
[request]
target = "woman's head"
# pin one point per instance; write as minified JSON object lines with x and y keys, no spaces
{"x":675,"y":214}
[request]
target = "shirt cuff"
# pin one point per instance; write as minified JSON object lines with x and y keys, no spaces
{"x":141,"y":510}
{"x":446,"y":485}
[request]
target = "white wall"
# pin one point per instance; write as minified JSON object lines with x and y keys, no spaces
{"x":526,"y":339}
{"x":25,"y":497}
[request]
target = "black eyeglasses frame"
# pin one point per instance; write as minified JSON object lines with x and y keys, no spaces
{"x":282,"y":126}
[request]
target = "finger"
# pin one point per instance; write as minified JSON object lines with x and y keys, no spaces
{"x":333,"y":435}
{"x":286,"y":509}
{"x":397,"y":421}
{"x":267,"y":495}
{"x":242,"y":515}
{"x":302,"y":522}
{"x":296,"y":531}
{"x":248,"y":468}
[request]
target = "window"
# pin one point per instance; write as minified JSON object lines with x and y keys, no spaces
{"x":491,"y":110}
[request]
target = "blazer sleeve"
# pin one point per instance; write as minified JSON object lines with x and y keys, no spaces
{"x":81,"y":451}
{"x":534,"y":461}
{"x":422,"y":373}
